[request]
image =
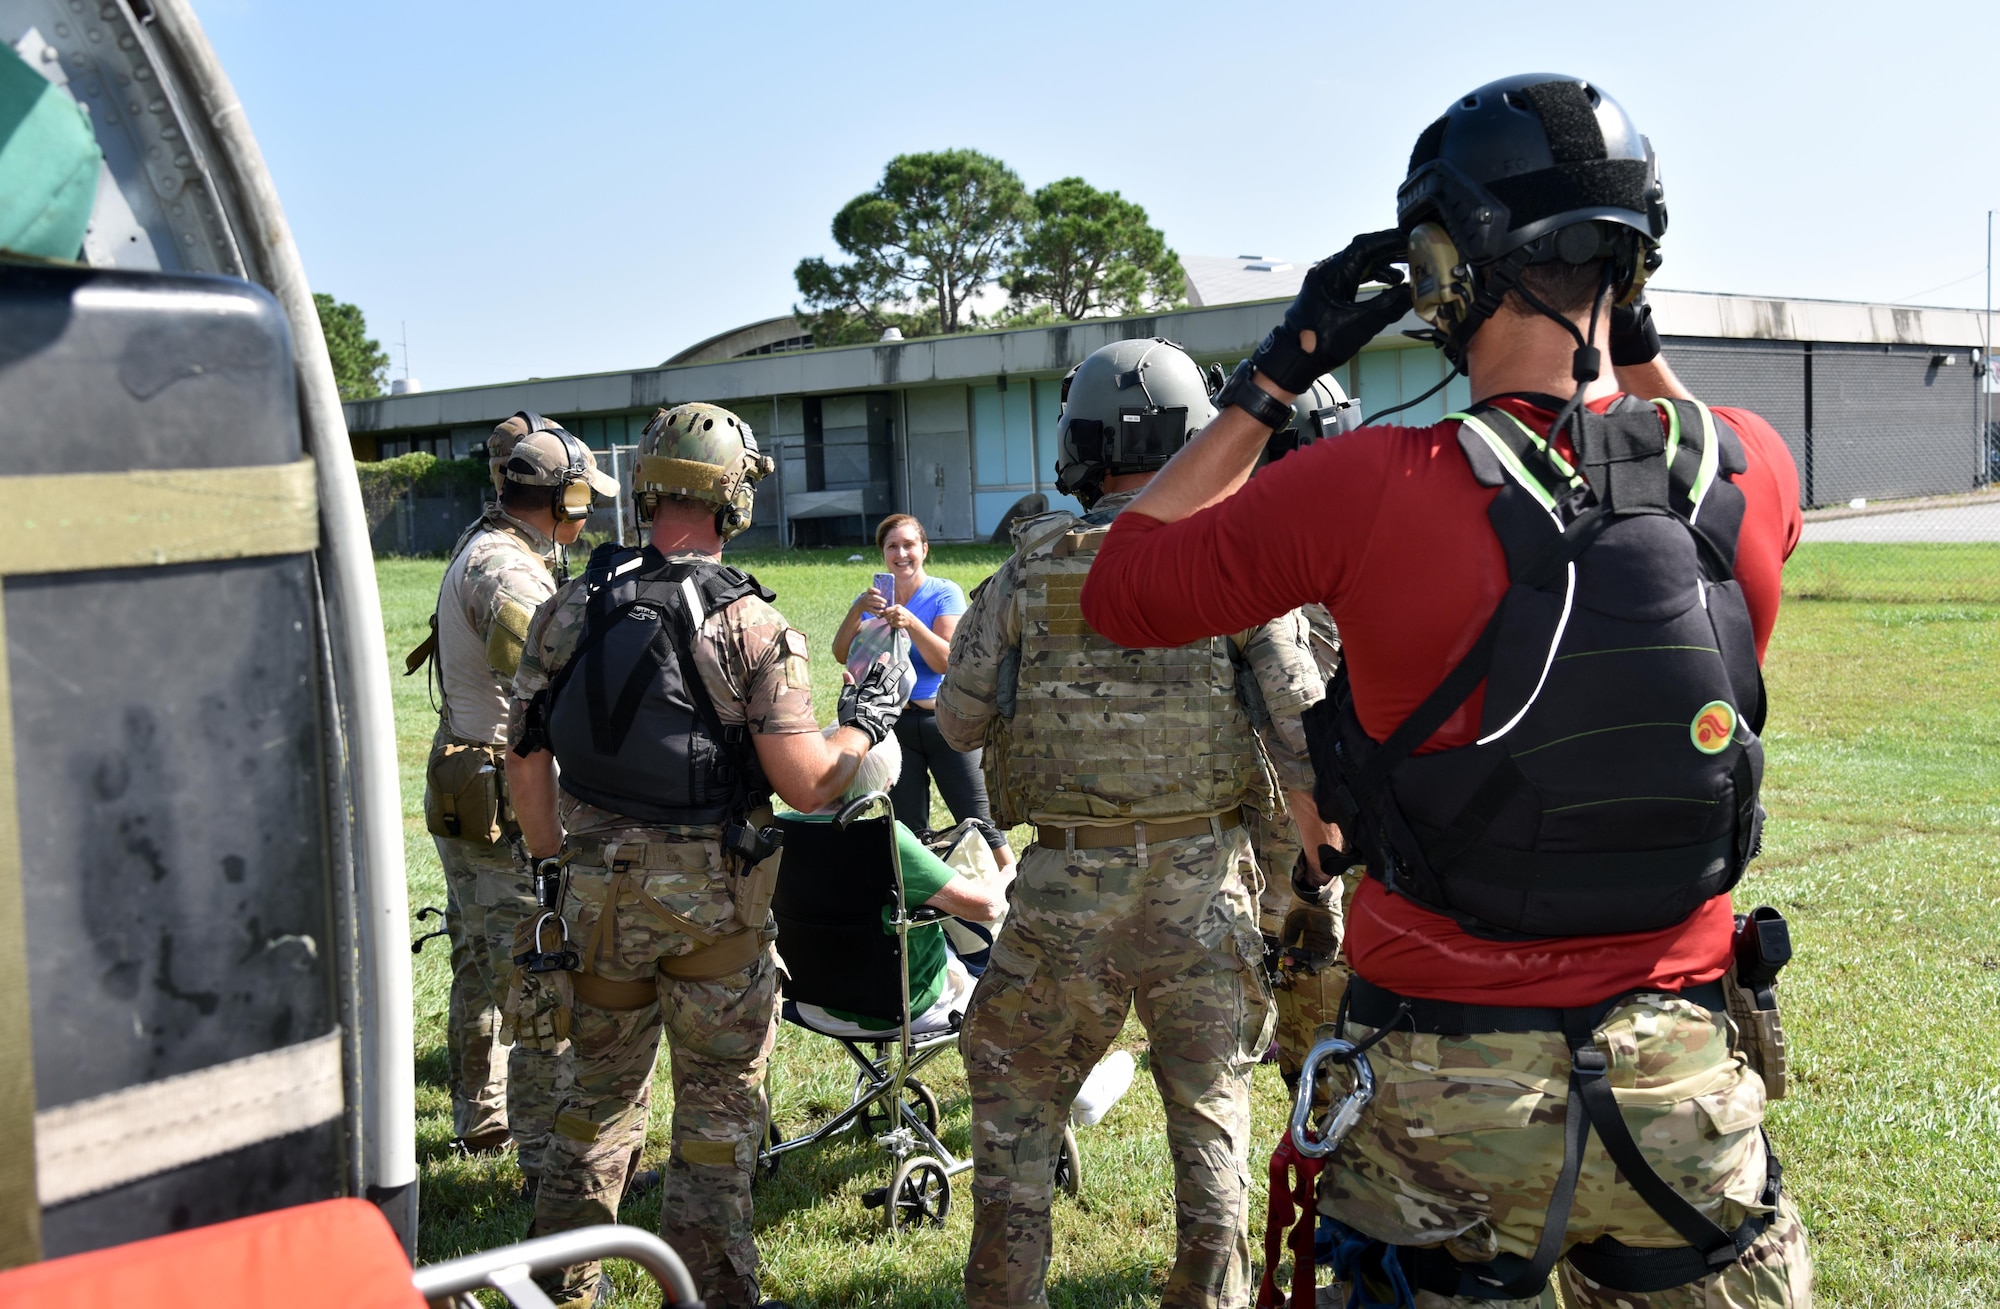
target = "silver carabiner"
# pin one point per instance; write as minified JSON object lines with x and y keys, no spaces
{"x":562,"y":928}
{"x":1346,"y":1113}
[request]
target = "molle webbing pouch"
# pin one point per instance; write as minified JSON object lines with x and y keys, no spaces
{"x":1104,"y":732}
{"x":465,"y":794}
{"x":1759,"y":1035}
{"x":1612,"y":785}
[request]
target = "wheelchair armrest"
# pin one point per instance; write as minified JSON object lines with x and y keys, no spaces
{"x":926,"y":914}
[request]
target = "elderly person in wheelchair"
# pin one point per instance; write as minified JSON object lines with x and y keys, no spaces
{"x":946,"y":955}
{"x":881,"y":940}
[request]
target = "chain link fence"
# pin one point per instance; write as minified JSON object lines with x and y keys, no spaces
{"x":1899,"y":467}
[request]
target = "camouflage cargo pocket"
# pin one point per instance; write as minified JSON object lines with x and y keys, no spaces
{"x":1443,"y":1107}
{"x":1736,"y":1108}
{"x":1257,"y":1012}
{"x":995,"y":1025}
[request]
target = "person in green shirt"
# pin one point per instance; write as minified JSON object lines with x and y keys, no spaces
{"x":940,"y":983}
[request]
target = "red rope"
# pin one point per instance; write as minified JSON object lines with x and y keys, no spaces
{"x":1291,"y":1205}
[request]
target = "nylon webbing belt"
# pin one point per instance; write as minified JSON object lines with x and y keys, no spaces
{"x":80,"y":522}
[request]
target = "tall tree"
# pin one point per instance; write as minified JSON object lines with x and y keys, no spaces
{"x":932,"y":232}
{"x":1091,"y":252}
{"x":360,"y":364}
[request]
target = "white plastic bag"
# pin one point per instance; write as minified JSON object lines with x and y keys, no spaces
{"x":876,"y":639}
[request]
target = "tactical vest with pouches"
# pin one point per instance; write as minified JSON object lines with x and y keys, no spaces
{"x":1613,"y":785}
{"x":1098,"y":733}
{"x":628,"y":718}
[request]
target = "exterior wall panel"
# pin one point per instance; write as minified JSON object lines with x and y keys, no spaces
{"x":1889,"y":422}
{"x":1766,"y":377}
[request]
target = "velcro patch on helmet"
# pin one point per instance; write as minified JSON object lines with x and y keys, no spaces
{"x":681,"y":476}
{"x":1569,"y":120}
{"x":1597,"y":183}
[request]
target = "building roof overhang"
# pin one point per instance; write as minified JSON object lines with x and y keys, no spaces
{"x":1219,"y":332}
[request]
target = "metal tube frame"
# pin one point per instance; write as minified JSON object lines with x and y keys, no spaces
{"x":912,"y":1052}
{"x":508,"y":1269}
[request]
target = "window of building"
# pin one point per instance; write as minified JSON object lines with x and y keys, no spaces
{"x":438,"y":444}
{"x":785,"y":346}
{"x":1382,"y":379}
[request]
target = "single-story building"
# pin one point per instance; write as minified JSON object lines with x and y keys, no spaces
{"x":1876,"y":401}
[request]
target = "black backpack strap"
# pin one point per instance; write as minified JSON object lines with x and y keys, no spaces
{"x":1590,"y":1091}
{"x":718,"y":586}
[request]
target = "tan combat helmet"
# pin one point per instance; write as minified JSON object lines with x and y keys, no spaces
{"x":705,"y":453}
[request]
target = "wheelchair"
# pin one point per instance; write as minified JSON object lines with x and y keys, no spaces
{"x":832,"y":886}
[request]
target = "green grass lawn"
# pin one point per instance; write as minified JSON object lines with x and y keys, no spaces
{"x":1883,"y":850}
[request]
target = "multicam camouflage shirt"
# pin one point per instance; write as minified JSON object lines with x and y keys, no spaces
{"x":1286,"y":678}
{"x":750,"y":659}
{"x":501,"y":570}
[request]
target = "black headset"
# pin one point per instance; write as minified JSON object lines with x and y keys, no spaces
{"x":570,"y":499}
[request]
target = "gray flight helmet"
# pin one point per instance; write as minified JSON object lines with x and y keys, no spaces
{"x":1321,"y":411}
{"x":1126,"y":409}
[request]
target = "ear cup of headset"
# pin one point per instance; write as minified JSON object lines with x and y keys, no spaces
{"x":573,"y":501}
{"x":1438,"y":291}
{"x":572,"y":498}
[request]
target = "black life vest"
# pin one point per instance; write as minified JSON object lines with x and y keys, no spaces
{"x":1613,"y":786}
{"x":628,"y":718}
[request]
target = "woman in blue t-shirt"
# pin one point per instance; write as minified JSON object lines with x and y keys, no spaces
{"x":927,"y":608}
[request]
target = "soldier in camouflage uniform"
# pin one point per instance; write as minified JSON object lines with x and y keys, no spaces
{"x":667,"y":892}
{"x":1302,"y":954}
{"x":501,"y":570}
{"x":1141,"y":888}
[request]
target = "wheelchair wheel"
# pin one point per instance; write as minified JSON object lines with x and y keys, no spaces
{"x":1069,"y":1166}
{"x":876,"y":1118}
{"x":919,"y":1195}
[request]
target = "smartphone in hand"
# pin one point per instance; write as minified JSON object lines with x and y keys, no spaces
{"x":885,"y":586}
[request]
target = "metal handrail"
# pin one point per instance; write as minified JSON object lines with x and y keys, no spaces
{"x":503,"y":1269}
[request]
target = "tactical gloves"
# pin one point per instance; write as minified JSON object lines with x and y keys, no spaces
{"x":1326,"y":308}
{"x":872,"y":704}
{"x":1634,"y":339}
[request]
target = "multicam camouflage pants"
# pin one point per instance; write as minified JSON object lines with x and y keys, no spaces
{"x":719,"y":1037}
{"x":487,"y":892}
{"x":1465,"y":1136}
{"x":1092,"y":935}
{"x":1305,"y":984}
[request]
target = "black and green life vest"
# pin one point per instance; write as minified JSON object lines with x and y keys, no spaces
{"x":1613,"y":785}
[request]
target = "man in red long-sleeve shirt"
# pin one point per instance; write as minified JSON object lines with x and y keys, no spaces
{"x":1472,"y":1173}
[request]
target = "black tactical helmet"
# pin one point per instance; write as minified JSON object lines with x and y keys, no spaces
{"x":1528,"y":169}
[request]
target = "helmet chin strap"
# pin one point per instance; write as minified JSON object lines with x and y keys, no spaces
{"x":1586,"y":362}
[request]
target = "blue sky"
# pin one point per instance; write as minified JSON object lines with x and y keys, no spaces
{"x":540,"y":190}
